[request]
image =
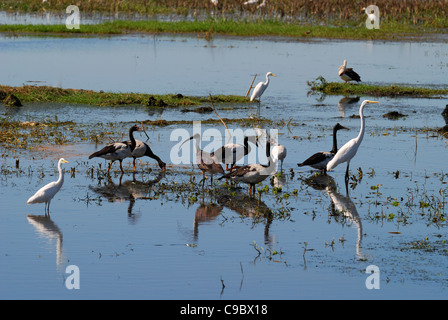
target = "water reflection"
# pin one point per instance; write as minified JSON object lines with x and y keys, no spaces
{"x":251,"y":207}
{"x":129,"y":190}
{"x":46,"y":228}
{"x":347,"y":102}
{"x":340,"y":204}
{"x":204,"y":214}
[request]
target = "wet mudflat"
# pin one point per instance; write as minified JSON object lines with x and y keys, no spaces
{"x":163,"y":235}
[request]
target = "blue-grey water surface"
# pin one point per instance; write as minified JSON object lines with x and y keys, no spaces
{"x":129,"y":241}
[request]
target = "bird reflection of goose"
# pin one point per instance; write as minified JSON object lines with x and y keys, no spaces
{"x":205,"y":161}
{"x":346,"y":102}
{"x":320,"y":160}
{"x":130,"y":190}
{"x":46,"y":228}
{"x":248,"y":206}
{"x":342,"y":204}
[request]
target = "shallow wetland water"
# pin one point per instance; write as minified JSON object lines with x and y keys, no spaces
{"x":162,"y":236}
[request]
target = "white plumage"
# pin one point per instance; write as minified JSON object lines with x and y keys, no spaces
{"x":279,"y":154}
{"x":319,"y":160}
{"x":46,"y":193}
{"x":261,"y":87}
{"x":348,"y":151}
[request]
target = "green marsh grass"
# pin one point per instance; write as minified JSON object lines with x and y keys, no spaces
{"x":320,"y":85}
{"x":89,"y":97}
{"x":429,"y":14}
{"x":207,"y":28}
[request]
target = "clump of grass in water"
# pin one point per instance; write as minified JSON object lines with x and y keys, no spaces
{"x":320,"y":85}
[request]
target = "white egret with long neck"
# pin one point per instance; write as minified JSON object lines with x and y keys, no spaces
{"x":46,"y":193}
{"x":261,"y":87}
{"x":348,"y":150}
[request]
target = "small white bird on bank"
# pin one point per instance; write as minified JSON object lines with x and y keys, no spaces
{"x":348,"y":150}
{"x":46,"y":193}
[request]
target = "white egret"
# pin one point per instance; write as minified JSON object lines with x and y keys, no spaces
{"x":46,"y":193}
{"x":141,"y":150}
{"x":231,"y":153}
{"x":207,"y":162}
{"x":320,"y":160}
{"x":279,"y":153}
{"x":261,"y":87}
{"x":347,"y":74}
{"x":348,"y":151}
{"x":252,"y":173}
{"x":118,"y":150}
{"x":250,"y":2}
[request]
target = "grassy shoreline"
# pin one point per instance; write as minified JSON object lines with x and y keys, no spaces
{"x":208,"y":28}
{"x":90,"y":97}
{"x":329,"y":19}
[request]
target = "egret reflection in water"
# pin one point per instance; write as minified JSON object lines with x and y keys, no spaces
{"x":47,"y":229}
{"x":340,"y":204}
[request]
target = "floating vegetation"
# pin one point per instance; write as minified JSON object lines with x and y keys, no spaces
{"x":320,"y":85}
{"x":394,"y":115}
{"x":27,"y":135}
{"x":439,"y":246}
